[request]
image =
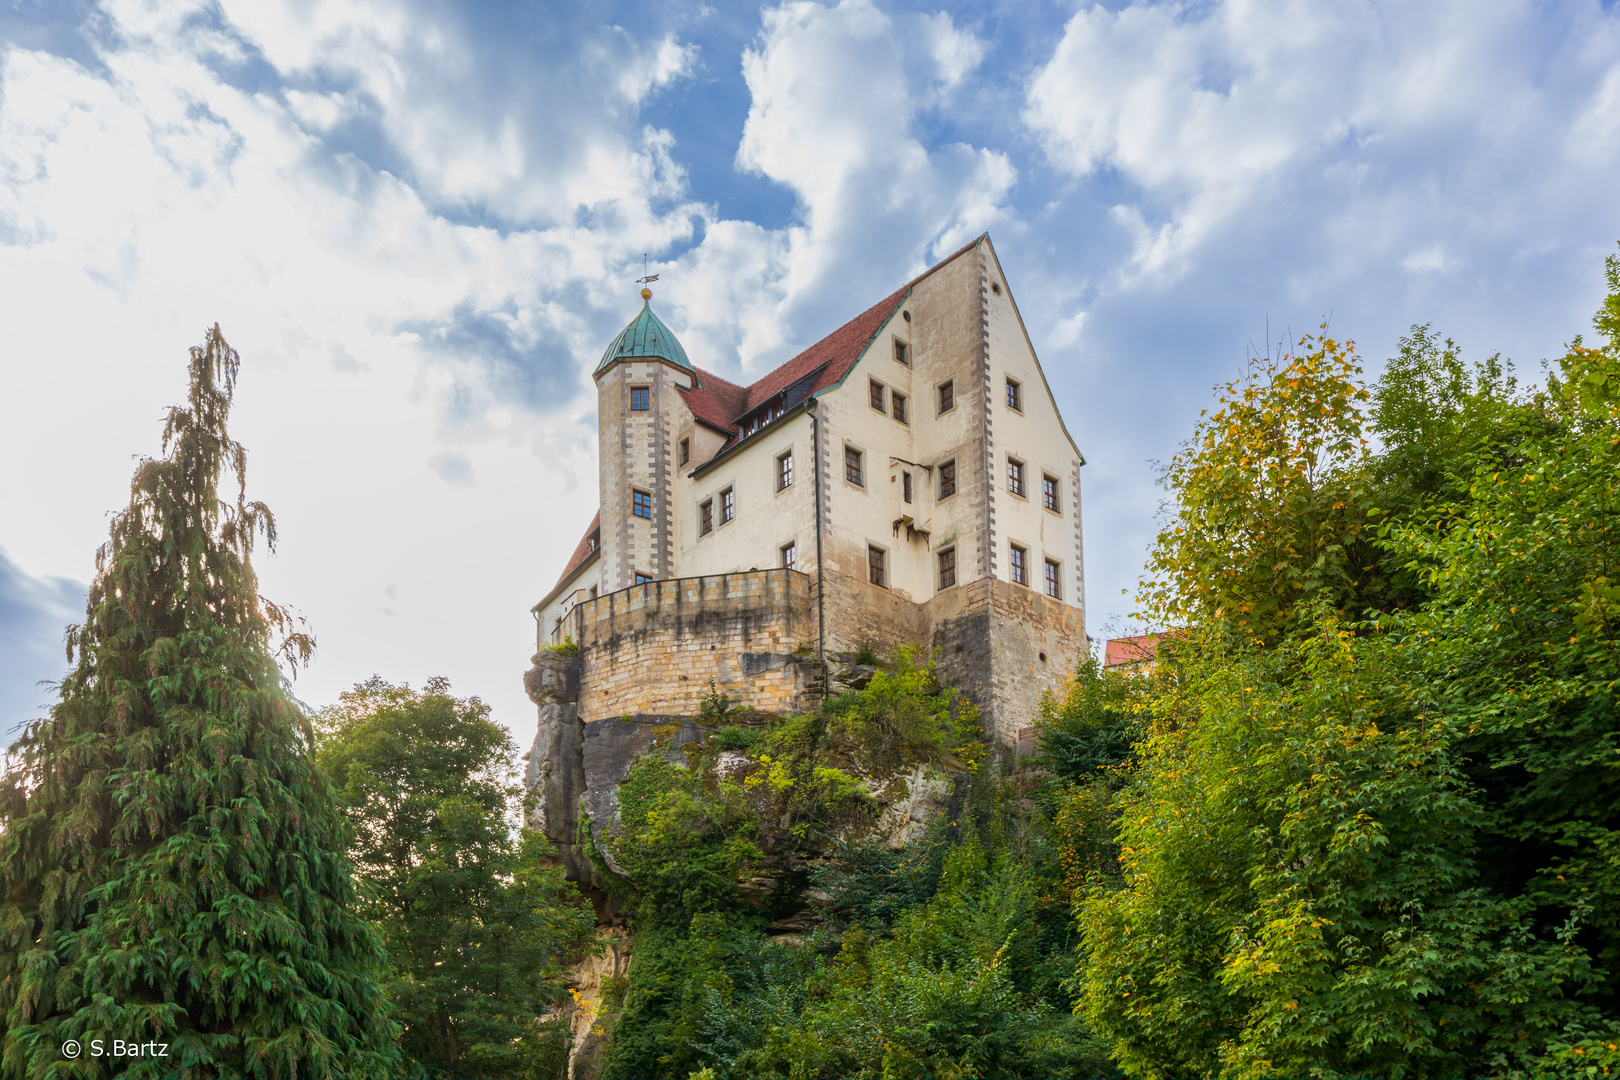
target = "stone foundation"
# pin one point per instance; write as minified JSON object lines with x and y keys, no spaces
{"x":652,"y":649}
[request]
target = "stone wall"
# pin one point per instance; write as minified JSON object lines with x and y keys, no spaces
{"x":652,"y":648}
{"x":1006,"y":646}
{"x":1035,"y":642}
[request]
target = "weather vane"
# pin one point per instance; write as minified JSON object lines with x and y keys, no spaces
{"x":648,"y":277}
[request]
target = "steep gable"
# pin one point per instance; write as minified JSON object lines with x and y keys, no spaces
{"x":723,"y":405}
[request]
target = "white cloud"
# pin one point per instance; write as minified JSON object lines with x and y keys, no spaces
{"x":836,"y":94}
{"x":144,"y":200}
{"x":533,"y":140}
{"x":1217,"y":112}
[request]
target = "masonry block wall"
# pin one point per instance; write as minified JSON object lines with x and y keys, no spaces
{"x":1035,"y":642}
{"x":653,"y":648}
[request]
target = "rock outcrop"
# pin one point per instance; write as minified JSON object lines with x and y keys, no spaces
{"x":575,"y":769}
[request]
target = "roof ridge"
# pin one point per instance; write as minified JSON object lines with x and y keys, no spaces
{"x":952,"y":257}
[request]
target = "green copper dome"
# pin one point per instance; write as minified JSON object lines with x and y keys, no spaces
{"x":646,"y":336}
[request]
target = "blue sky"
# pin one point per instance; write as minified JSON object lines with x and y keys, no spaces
{"x":420,"y":222}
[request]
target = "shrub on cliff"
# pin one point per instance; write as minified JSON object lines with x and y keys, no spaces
{"x":476,"y":922}
{"x":173,"y":864}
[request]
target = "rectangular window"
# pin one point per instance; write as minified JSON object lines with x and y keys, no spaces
{"x":902,"y":351}
{"x":642,"y":579}
{"x":1015,"y":395}
{"x":728,"y":505}
{"x":947,"y":396}
{"x":686,"y":451}
{"x":638,"y":398}
{"x":905,"y":486}
{"x":1019,"y":565}
{"x":1054,"y":579}
{"x":593,"y":592}
{"x":876,"y":395}
{"x":947,"y":479}
{"x":1049,"y":493}
{"x":705,"y":517}
{"x":947,"y":568}
{"x":1015,"y":476}
{"x":790,"y":556}
{"x":641,"y":504}
{"x":877,"y":571}
{"x":897,"y":407}
{"x":852,"y":466}
{"x":784,"y":470}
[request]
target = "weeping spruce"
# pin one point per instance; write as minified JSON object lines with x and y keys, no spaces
{"x":173,"y":866}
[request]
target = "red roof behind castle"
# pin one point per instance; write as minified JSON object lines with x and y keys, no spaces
{"x":1131,"y":650}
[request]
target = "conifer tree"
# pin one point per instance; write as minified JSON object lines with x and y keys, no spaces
{"x":173,"y":865}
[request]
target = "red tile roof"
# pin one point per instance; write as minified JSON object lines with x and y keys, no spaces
{"x":835,"y":354}
{"x":584,"y":551}
{"x":715,"y":401}
{"x":1143,"y":648}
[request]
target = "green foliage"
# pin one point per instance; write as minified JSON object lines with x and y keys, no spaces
{"x":476,"y":922}
{"x":1295,"y":863}
{"x":1379,"y":837}
{"x":736,"y":737}
{"x":872,"y":884}
{"x":567,"y":647}
{"x":1269,"y":498}
{"x":951,"y":987}
{"x":682,"y":844}
{"x":1091,"y":728}
{"x":716,"y":707}
{"x":948,"y":993}
{"x":903,"y":716}
{"x":172,"y":861}
{"x":943,"y":958}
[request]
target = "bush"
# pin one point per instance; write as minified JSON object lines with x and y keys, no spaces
{"x":736,"y":737}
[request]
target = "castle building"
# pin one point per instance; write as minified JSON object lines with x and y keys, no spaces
{"x":906,"y":480}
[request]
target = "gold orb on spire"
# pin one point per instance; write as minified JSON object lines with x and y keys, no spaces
{"x":646,"y":293}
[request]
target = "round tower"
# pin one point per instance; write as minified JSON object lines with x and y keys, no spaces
{"x":637,"y":411}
